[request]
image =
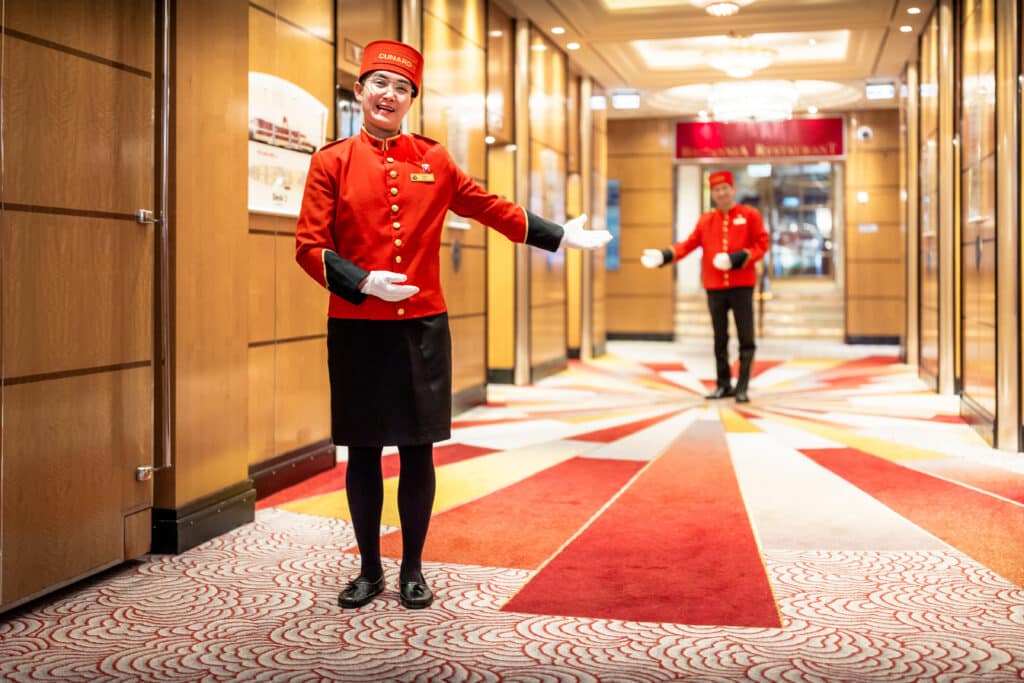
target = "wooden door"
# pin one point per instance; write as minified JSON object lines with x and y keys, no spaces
{"x":76,"y":272}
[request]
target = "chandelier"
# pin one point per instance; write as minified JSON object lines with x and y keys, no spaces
{"x":752,"y":100}
{"x":721,"y":8}
{"x":741,"y":59}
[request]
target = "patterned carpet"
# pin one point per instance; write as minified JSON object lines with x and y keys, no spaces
{"x":608,"y":524}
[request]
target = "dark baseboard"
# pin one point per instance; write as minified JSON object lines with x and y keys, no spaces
{"x":868,"y":339}
{"x":547,"y":368}
{"x":980,"y":419}
{"x":468,"y":398}
{"x":175,"y":531}
{"x":641,"y":336}
{"x":501,"y":376}
{"x":290,"y":468}
{"x":573,"y":353}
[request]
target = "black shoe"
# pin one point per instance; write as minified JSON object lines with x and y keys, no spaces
{"x":360,"y":592}
{"x":720,"y":392}
{"x":416,"y":594}
{"x":741,"y":396}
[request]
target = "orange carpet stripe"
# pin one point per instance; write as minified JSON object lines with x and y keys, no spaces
{"x":992,"y":534}
{"x":523,"y":524}
{"x":620,"y":431}
{"x":334,"y":478}
{"x":676,"y":546}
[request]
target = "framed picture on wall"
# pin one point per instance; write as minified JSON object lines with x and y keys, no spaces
{"x":286,"y":125}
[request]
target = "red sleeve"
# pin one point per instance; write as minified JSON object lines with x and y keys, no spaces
{"x":316,"y":218}
{"x":470,"y":200}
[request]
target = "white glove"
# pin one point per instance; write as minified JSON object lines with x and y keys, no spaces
{"x":652,"y":258}
{"x":722,"y":261}
{"x":381,"y":284}
{"x":578,"y":237}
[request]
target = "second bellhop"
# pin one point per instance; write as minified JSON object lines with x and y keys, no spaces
{"x":740,"y":233}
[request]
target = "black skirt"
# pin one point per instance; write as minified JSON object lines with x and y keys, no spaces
{"x":391,"y":381}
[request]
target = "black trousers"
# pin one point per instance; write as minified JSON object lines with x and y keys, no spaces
{"x":741,"y":301}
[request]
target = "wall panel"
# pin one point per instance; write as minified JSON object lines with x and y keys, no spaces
{"x":66,"y":293}
{"x":84,"y":469}
{"x":875,"y":264}
{"x":641,"y":302}
{"x":118,"y":122}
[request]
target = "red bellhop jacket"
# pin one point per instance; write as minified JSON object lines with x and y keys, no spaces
{"x":373,"y":204}
{"x":741,"y":230}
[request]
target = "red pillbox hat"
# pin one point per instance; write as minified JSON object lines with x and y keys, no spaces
{"x":719,"y":177}
{"x":393,"y":56}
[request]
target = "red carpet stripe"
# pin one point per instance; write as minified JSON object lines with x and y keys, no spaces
{"x":523,"y":524}
{"x":988,"y":529}
{"x":620,"y":431}
{"x":675,"y":547}
{"x":334,"y":479}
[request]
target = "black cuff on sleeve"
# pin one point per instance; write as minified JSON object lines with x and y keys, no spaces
{"x":542,"y":233}
{"x":739,"y":258}
{"x":343,"y":277}
{"x":668,"y":257}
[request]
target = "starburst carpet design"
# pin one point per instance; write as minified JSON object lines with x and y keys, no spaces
{"x":609,"y":524}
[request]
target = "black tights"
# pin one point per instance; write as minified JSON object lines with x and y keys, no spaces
{"x":364,"y":485}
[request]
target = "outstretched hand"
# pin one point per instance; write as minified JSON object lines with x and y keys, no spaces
{"x":578,"y":237}
{"x":383,"y":284}
{"x":652,"y":258}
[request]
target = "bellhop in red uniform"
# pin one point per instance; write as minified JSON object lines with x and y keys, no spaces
{"x":733,"y":240}
{"x":369,"y":231}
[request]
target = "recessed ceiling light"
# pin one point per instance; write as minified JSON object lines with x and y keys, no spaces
{"x":496,"y":33}
{"x":812,"y":109}
{"x":913,"y":10}
{"x":557,"y":30}
{"x":906,"y":29}
{"x":489,"y":139}
{"x":572,"y":46}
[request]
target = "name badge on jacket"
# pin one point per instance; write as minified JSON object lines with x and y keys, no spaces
{"x":422,"y":177}
{"x":739,"y":220}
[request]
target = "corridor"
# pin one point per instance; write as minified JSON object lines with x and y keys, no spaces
{"x":608,"y":524}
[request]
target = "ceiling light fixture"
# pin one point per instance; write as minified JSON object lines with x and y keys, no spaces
{"x":752,"y":100}
{"x":741,"y":59}
{"x":721,"y":8}
{"x":906,"y":29}
{"x":913,"y":10}
{"x":572,"y":46}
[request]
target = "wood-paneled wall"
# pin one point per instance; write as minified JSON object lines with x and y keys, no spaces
{"x":599,"y":220}
{"x":452,"y":102}
{"x":501,"y":170}
{"x":289,"y":394}
{"x":640,"y":302}
{"x":548,"y":93}
{"x":76,"y":326}
{"x":875,"y":244}
{"x":209,"y":259}
{"x":360,"y":22}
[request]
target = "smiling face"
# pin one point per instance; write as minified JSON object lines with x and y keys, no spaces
{"x":385,"y":97}
{"x":724,"y":196}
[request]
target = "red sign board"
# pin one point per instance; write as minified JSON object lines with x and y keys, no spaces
{"x":794,"y":138}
